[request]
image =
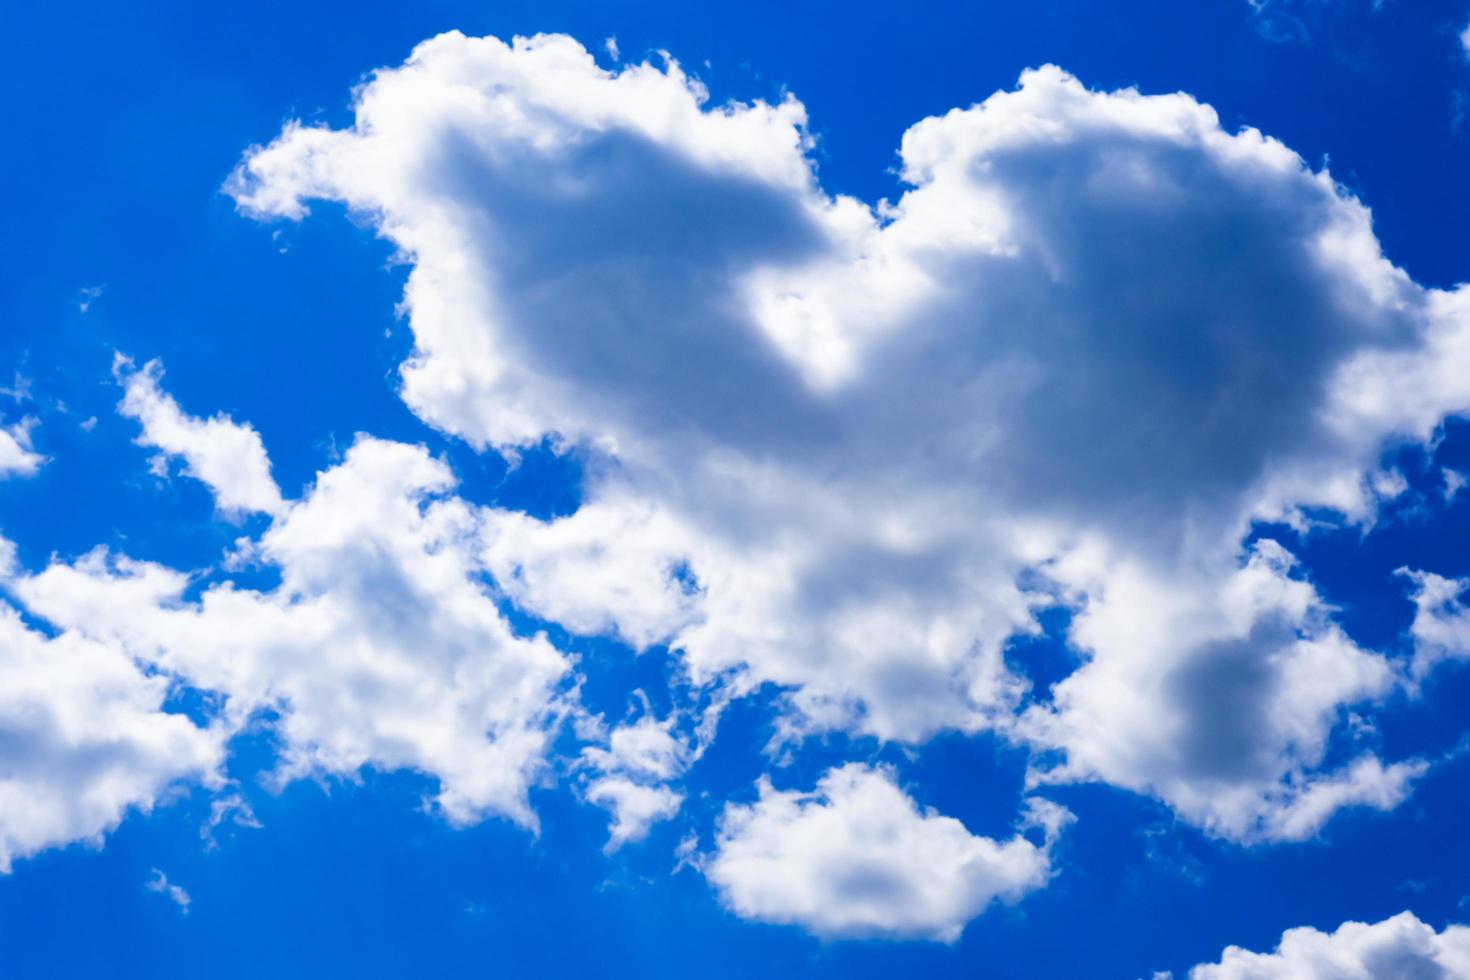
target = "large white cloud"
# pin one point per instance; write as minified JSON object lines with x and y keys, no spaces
{"x":858,"y":857}
{"x":84,"y":737}
{"x":1401,"y":946}
{"x":850,"y":449}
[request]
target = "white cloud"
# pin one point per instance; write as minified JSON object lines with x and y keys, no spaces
{"x":1220,"y":704}
{"x":631,"y":775}
{"x":84,"y":738}
{"x":16,"y":456}
{"x":849,"y":450}
{"x":1441,"y":627}
{"x":160,"y":883}
{"x":1401,"y":946}
{"x":226,"y":455}
{"x":858,"y":857}
{"x":636,"y":806}
{"x":381,"y":646}
{"x":1454,"y":482}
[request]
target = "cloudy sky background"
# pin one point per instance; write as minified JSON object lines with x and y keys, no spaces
{"x":561,"y":489}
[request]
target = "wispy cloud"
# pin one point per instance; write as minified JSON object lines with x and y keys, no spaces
{"x":159,"y":883}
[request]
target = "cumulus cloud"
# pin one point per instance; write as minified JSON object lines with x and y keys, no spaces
{"x":225,"y":455}
{"x":1220,"y":706}
{"x":857,"y":856}
{"x":84,"y":737}
{"x":1401,"y":946}
{"x":381,"y":646}
{"x":850,"y":449}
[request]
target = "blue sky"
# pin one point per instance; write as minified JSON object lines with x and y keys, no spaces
{"x":673,"y":498}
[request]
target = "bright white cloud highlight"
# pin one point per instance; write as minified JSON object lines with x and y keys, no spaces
{"x":84,"y":738}
{"x":1401,"y":946}
{"x":858,"y":857}
{"x":16,"y":456}
{"x":849,"y":450}
{"x":225,"y":455}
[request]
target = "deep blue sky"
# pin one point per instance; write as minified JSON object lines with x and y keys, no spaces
{"x":122,"y":123}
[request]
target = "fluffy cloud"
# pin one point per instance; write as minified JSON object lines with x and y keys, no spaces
{"x":850,"y":449}
{"x":636,"y":806}
{"x":225,"y":455}
{"x":1219,"y":706}
{"x":16,"y":457}
{"x":857,"y":857}
{"x":1401,"y":946}
{"x":84,"y":737}
{"x":631,"y":775}
{"x":381,"y":645}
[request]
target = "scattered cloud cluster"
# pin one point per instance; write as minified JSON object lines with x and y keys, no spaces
{"x":381,"y":646}
{"x":848,"y":451}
